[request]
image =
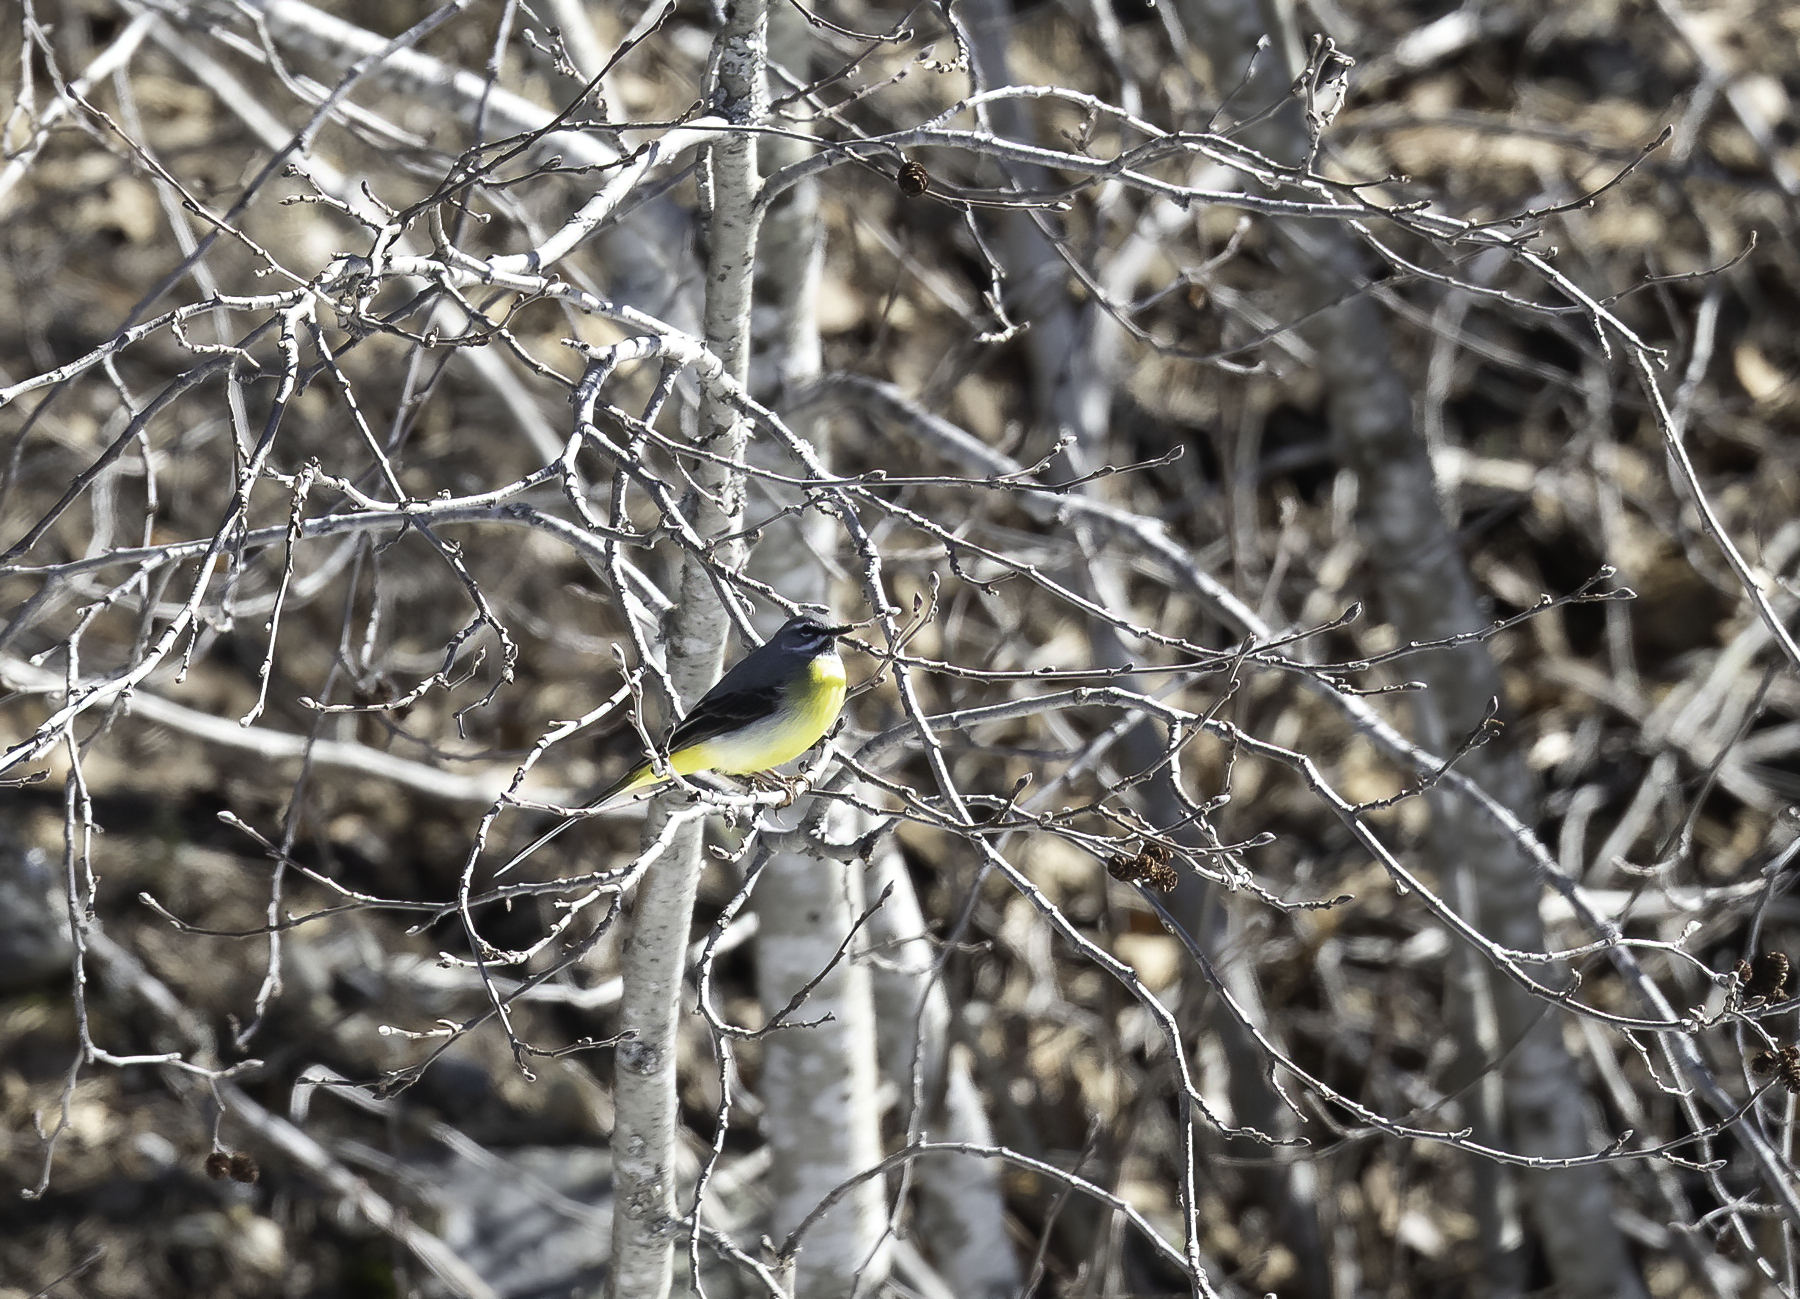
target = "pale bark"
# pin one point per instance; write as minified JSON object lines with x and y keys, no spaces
{"x":821,"y":1116}
{"x":962,"y":1213}
{"x":655,"y":948}
{"x":818,"y":1088}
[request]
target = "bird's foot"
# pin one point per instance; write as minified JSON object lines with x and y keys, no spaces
{"x":790,"y":787}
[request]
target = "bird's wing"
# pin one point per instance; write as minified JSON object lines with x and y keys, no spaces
{"x":723,"y":711}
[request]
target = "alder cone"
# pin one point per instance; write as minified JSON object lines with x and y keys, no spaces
{"x":913,"y":179}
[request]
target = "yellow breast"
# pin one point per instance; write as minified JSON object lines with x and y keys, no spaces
{"x":821,"y":698}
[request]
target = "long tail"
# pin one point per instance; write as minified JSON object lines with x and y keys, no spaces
{"x":635,"y":779}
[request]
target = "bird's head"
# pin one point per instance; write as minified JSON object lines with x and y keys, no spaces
{"x":806,"y":635}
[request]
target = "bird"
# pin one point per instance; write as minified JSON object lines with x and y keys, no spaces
{"x":772,"y":705}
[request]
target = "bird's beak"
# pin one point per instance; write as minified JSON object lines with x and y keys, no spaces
{"x":845,"y":630}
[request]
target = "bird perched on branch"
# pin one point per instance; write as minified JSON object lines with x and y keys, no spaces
{"x":773,"y":705}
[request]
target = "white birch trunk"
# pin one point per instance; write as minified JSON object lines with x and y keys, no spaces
{"x":655,"y":948}
{"x":962,"y":1213}
{"x":821,"y":1114}
{"x":819,"y":1083}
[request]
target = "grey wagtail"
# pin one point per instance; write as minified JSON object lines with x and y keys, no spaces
{"x":773,"y":705}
